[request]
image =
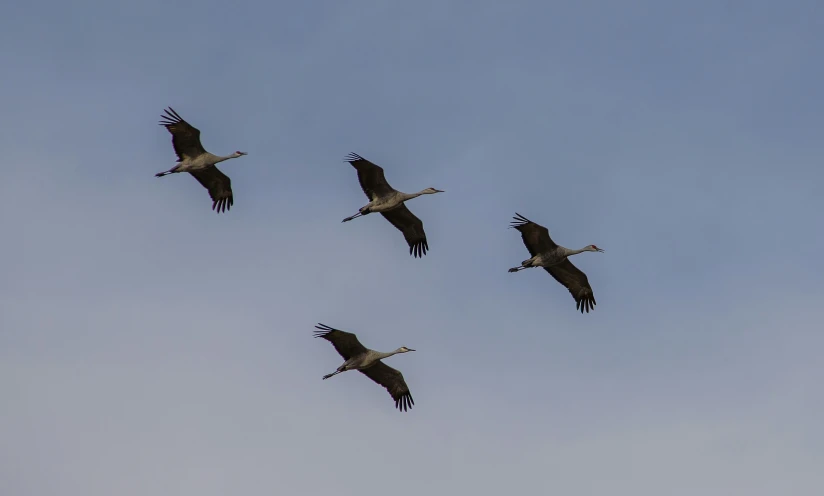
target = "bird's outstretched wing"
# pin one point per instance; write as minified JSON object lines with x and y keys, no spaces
{"x":219,"y":186}
{"x":345,"y":343}
{"x":185,"y":137}
{"x":393,"y":381}
{"x":370,"y":176}
{"x":411,"y":227}
{"x":536,"y":237}
{"x":576,"y":282}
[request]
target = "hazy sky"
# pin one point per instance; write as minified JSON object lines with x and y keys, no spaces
{"x":149,"y":346}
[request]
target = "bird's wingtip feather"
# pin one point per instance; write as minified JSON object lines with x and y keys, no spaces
{"x":324,"y":329}
{"x":519,"y":220}
{"x":171,"y":117}
{"x":352,"y":157}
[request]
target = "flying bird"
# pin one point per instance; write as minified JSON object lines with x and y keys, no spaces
{"x":368,"y":362}
{"x":554,"y":259}
{"x":195,"y":160}
{"x":389,"y":202}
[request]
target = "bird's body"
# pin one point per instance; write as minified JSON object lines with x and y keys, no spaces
{"x":192,"y":164}
{"x":387,"y":202}
{"x":363,"y":361}
{"x":554,"y":259}
{"x":369,"y":362}
{"x":546,"y":259}
{"x":194,"y":159}
{"x":390,"y":203}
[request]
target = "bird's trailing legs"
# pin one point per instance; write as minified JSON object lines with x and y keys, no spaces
{"x":359,"y":214}
{"x":333,"y":373}
{"x":516,"y":269}
{"x":170,"y":171}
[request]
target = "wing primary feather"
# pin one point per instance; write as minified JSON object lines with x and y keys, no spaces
{"x":353,"y":157}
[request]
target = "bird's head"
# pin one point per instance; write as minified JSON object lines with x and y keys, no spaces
{"x":594,"y":248}
{"x":239,"y":154}
{"x":404,"y":349}
{"x":431,"y":191}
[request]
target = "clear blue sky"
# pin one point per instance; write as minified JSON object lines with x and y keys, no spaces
{"x":151,"y":347}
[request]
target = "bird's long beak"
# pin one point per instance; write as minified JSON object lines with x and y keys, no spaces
{"x":600,"y":250}
{"x":244,"y":153}
{"x":440,"y":191}
{"x":410,"y":349}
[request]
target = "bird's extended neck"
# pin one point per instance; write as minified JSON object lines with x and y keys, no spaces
{"x":382,"y":355}
{"x":409,"y":196}
{"x":569,"y":252}
{"x":224,"y":158}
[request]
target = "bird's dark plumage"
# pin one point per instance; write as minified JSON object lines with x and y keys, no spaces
{"x":186,"y":142}
{"x":536,"y":239}
{"x":347,"y":346}
{"x":370,"y":175}
{"x":345,"y":343}
{"x":392,"y":380}
{"x":185,"y":137}
{"x":535,"y":236}
{"x":576,"y":282}
{"x":374,"y":185}
{"x":411,"y":227}
{"x":219,"y":186}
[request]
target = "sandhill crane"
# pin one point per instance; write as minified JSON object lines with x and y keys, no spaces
{"x":195,"y":160}
{"x":368,"y":362}
{"x":553,"y":258}
{"x":390,"y":203}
